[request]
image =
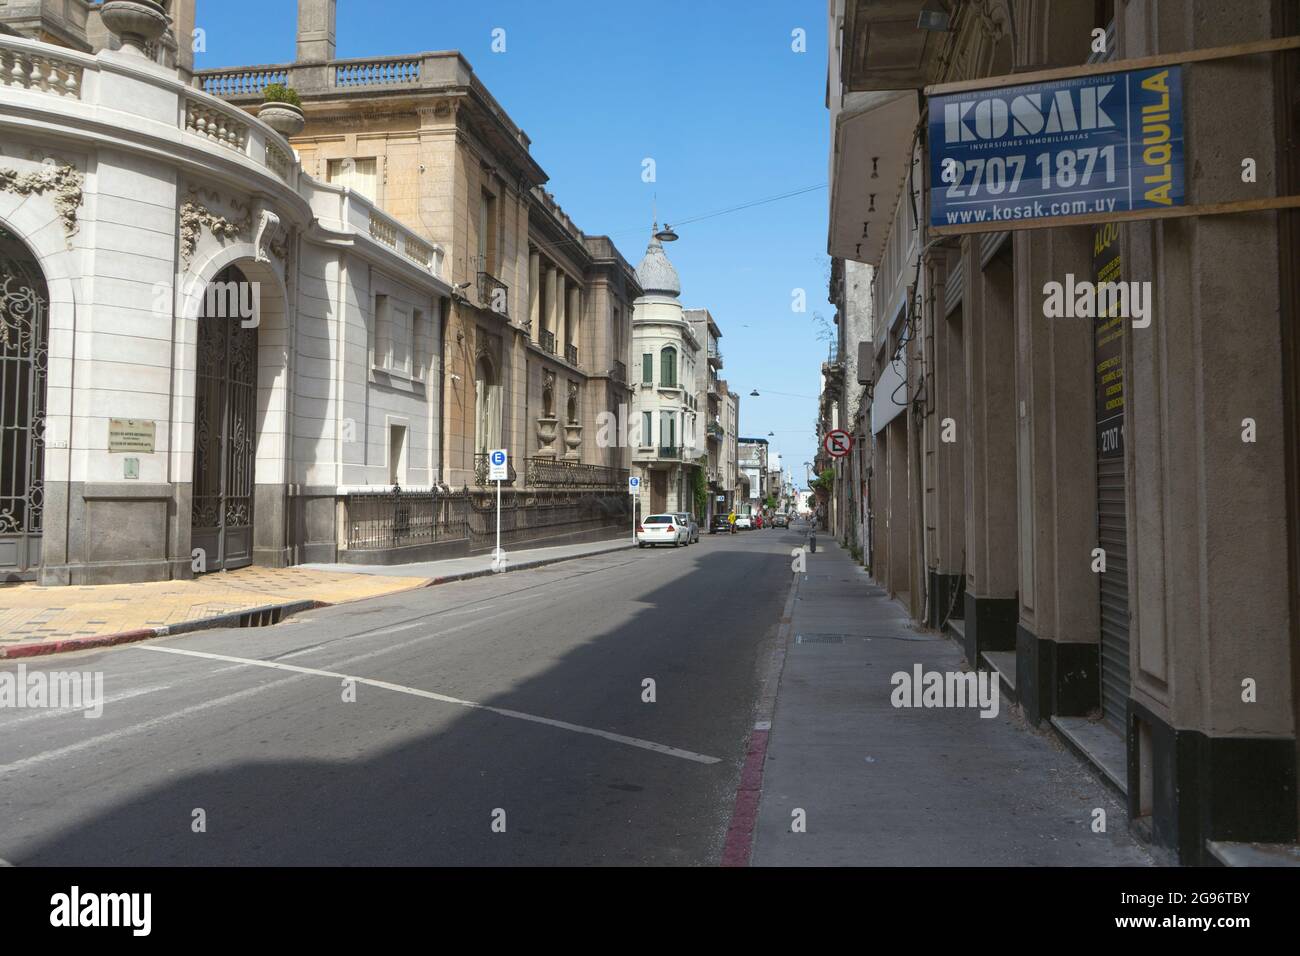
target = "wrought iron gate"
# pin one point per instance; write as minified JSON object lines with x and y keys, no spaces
{"x":225,"y":414}
{"x":24,"y":304}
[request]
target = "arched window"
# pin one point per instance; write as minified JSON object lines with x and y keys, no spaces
{"x":668,"y":367}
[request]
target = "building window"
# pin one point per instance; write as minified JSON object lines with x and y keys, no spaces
{"x":647,"y":369}
{"x":668,"y":367}
{"x":396,"y":454}
{"x":487,"y":228}
{"x":359,"y":175}
{"x":487,"y":406}
{"x":647,"y":437}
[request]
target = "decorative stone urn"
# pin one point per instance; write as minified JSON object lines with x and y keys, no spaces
{"x":136,"y":23}
{"x":285,"y":118}
{"x":572,"y":442}
{"x":547,"y":428}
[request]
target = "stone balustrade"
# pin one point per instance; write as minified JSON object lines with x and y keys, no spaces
{"x":216,"y":124}
{"x":243,"y":81}
{"x":26,"y":70}
{"x":385,"y":72}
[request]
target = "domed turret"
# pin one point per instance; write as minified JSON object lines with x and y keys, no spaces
{"x":655,"y":273}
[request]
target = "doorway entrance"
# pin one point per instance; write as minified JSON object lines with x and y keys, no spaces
{"x":225,"y":425}
{"x":24,"y":331}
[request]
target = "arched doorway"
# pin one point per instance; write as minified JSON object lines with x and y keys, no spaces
{"x":225,"y":423}
{"x":24,"y":336}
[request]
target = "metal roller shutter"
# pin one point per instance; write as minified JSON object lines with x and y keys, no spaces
{"x":1112,"y":534}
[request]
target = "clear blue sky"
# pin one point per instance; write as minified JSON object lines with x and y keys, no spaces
{"x":710,"y":89}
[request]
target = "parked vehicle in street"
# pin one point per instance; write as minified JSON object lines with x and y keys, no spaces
{"x":719,"y":524}
{"x":692,"y":526}
{"x":655,"y":530}
{"x":744,"y":521}
{"x":780,"y":521}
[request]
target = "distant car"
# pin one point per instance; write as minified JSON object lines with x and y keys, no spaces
{"x":719,"y":523}
{"x":692,"y":526}
{"x":655,"y":530}
{"x":744,"y":521}
{"x":780,"y":521}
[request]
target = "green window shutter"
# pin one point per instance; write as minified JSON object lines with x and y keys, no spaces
{"x":648,"y":368}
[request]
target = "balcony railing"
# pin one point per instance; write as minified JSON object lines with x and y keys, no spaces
{"x":481,"y":472}
{"x":571,"y":354}
{"x":716,"y":431}
{"x":493,"y":294}
{"x":548,"y":341}
{"x":619,"y":372}
{"x":673,"y":452}
{"x":557,"y":473}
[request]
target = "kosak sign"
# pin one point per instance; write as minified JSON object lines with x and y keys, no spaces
{"x":1086,"y":145}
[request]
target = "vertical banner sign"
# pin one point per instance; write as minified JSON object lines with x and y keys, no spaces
{"x":1108,"y":351}
{"x":1086,"y":145}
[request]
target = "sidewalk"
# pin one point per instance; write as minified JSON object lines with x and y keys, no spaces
{"x":886,"y":786}
{"x":40,"y":620}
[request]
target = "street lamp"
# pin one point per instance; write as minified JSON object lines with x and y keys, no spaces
{"x":666,"y":234}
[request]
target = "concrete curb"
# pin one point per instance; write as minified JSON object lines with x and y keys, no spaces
{"x":523,"y":566}
{"x":738,"y":846}
{"x":231,"y":618}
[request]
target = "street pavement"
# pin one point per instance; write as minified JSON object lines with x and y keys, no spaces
{"x":501,"y":720}
{"x":246,"y":735}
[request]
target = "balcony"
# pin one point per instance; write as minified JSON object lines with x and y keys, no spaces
{"x":493,"y":294}
{"x":716,"y":431}
{"x":571,"y":354}
{"x":715,"y":357}
{"x":548,"y":342}
{"x":670,"y":452}
{"x":558,"y":473}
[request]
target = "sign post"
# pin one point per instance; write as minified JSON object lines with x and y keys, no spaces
{"x":633,"y":486}
{"x":498,"y":471}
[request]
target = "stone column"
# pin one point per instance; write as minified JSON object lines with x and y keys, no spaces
{"x":991,"y":567}
{"x":1059,"y":625}
{"x":561,"y":311}
{"x":574,"y":318}
{"x":534,"y":295}
{"x":550,"y":318}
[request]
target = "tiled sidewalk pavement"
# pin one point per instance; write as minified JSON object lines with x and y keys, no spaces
{"x":32,"y":613}
{"x":886,"y":786}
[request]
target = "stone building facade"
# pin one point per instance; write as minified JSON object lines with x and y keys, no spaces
{"x":667,"y":421}
{"x":188,"y":314}
{"x":538,"y":334}
{"x":990,"y":491}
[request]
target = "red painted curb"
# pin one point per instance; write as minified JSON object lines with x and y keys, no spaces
{"x":75,"y":644}
{"x":744,"y":817}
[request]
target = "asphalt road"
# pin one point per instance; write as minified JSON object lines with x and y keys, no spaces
{"x":513,"y":698}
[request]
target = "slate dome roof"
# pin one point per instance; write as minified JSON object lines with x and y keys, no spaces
{"x":655,"y":273}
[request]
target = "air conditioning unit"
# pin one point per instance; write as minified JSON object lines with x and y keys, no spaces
{"x":866,"y":362}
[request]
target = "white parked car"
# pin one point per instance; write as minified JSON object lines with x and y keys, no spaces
{"x":662,"y":529}
{"x":744,"y":521}
{"x":692,"y":529}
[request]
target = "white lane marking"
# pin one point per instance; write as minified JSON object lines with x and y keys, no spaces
{"x":430,"y":695}
{"x":113,"y":735}
{"x":56,"y":711}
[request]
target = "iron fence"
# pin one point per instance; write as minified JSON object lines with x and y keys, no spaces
{"x":397,"y":519}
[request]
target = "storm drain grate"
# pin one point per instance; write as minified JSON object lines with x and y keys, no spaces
{"x":261,"y":617}
{"x":819,"y":638}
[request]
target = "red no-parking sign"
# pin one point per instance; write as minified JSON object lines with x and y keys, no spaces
{"x":838,"y":443}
